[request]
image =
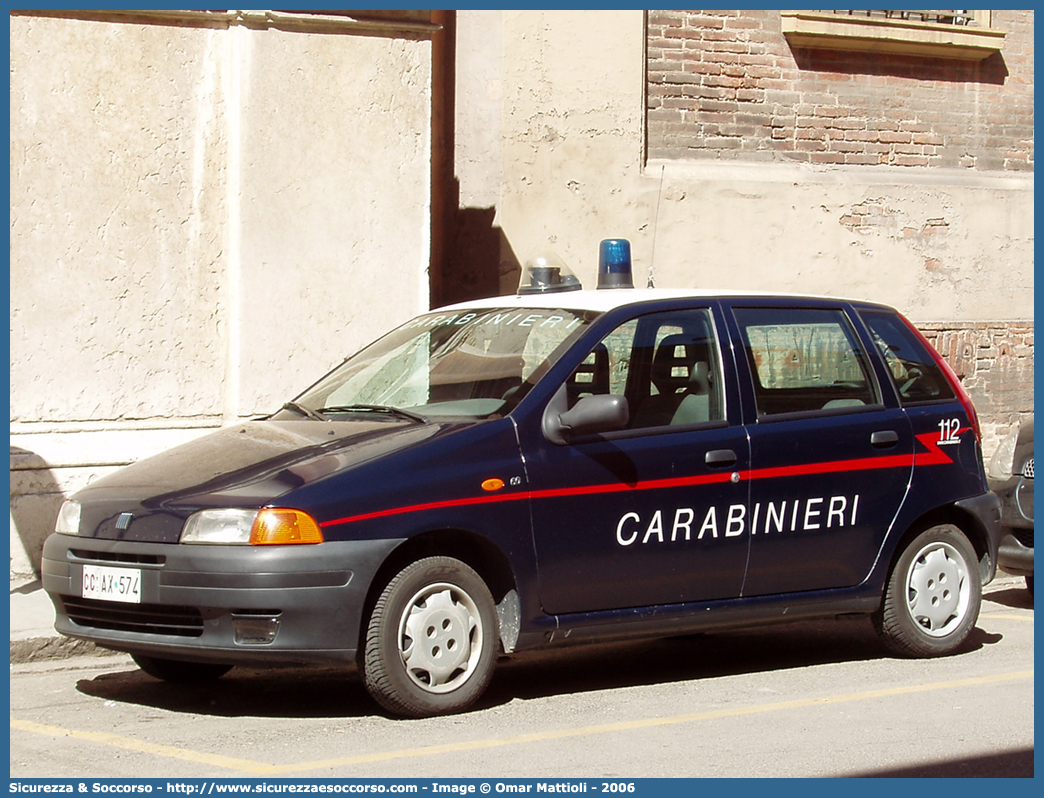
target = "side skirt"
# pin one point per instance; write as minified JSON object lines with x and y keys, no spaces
{"x":678,"y":619}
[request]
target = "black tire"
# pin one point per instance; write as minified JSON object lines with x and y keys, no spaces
{"x":444,"y":602}
{"x":178,"y":671}
{"x":933,"y":594}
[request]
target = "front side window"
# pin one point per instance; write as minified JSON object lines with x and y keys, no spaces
{"x":472,"y":364}
{"x":804,"y":360}
{"x":666,"y":364}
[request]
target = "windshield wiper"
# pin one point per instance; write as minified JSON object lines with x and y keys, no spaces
{"x":386,"y":409}
{"x":307,"y":412}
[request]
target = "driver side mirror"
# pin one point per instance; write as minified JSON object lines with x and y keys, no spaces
{"x":590,"y":416}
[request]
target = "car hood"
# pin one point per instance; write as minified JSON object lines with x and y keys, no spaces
{"x":245,"y":465}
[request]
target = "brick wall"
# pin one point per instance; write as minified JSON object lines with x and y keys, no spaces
{"x":994,"y":361}
{"x":726,"y":85}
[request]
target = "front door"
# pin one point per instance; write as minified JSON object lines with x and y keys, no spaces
{"x":654,"y":513}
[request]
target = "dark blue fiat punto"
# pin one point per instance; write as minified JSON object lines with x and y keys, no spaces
{"x":560,"y":465}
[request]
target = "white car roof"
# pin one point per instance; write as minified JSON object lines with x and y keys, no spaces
{"x":606,"y":299}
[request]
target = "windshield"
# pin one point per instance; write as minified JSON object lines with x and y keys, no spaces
{"x":473,"y":364}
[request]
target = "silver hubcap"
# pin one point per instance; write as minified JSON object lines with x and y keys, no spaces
{"x":938,"y":590}
{"x":440,"y":638}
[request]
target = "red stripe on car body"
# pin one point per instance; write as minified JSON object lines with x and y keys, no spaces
{"x":934,"y":456}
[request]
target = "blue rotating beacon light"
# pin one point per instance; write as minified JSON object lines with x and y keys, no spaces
{"x":614,"y":263}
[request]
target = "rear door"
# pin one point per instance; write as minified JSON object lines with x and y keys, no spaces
{"x":831,"y":455}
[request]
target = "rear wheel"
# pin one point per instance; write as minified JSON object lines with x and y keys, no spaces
{"x":932,"y":598}
{"x":431,"y":640}
{"x":178,"y":671}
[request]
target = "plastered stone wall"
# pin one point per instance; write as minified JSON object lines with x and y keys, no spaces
{"x":937,"y":246}
{"x":572,"y":127}
{"x":118,"y":214}
{"x":335,"y":203}
{"x":205,"y":218}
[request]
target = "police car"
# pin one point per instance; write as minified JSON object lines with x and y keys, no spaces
{"x":552,"y":467}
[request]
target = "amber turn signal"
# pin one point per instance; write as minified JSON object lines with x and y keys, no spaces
{"x":275,"y":526}
{"x":493,"y":484}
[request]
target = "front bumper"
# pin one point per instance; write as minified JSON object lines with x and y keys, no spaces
{"x":1016,"y":499}
{"x":1016,"y":509}
{"x":196,"y":601}
{"x":1015,"y":556}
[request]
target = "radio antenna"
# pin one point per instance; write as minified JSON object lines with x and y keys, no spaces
{"x":656,"y":220}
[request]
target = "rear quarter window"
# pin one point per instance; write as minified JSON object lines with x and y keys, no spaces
{"x":914,"y":372}
{"x":805,"y":360}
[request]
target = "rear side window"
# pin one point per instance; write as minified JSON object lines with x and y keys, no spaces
{"x":805,"y":360}
{"x":915,"y":374}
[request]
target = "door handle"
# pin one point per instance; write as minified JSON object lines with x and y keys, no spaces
{"x":884,"y":439}
{"x":720,"y":458}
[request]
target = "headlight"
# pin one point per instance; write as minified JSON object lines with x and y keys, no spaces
{"x":270,"y":526}
{"x":1001,"y":462}
{"x":68,"y":521}
{"x":219,"y":526}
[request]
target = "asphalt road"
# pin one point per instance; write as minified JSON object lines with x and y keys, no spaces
{"x":805,"y":699}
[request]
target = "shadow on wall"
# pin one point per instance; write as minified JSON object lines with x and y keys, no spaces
{"x":479,"y":261}
{"x":35,"y":500}
{"x":471,"y":256}
{"x":992,"y":70}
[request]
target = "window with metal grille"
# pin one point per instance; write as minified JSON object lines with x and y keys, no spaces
{"x":961,"y":34}
{"x":951,"y":17}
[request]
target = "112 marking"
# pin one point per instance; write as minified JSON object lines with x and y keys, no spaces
{"x":949,"y":431}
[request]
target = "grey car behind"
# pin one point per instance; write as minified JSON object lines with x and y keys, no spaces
{"x":1011,"y":478}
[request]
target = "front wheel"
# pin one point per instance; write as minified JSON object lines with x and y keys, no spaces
{"x":932,"y":597}
{"x":431,"y":640}
{"x":178,"y":671}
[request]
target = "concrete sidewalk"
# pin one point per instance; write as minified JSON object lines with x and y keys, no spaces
{"x":33,"y":637}
{"x":32,"y":627}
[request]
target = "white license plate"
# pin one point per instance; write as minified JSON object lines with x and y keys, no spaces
{"x":112,"y":584}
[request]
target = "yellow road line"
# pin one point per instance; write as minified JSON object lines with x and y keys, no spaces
{"x":130,"y":744}
{"x":261,"y":768}
{"x":1005,"y":616}
{"x":646,"y":723}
